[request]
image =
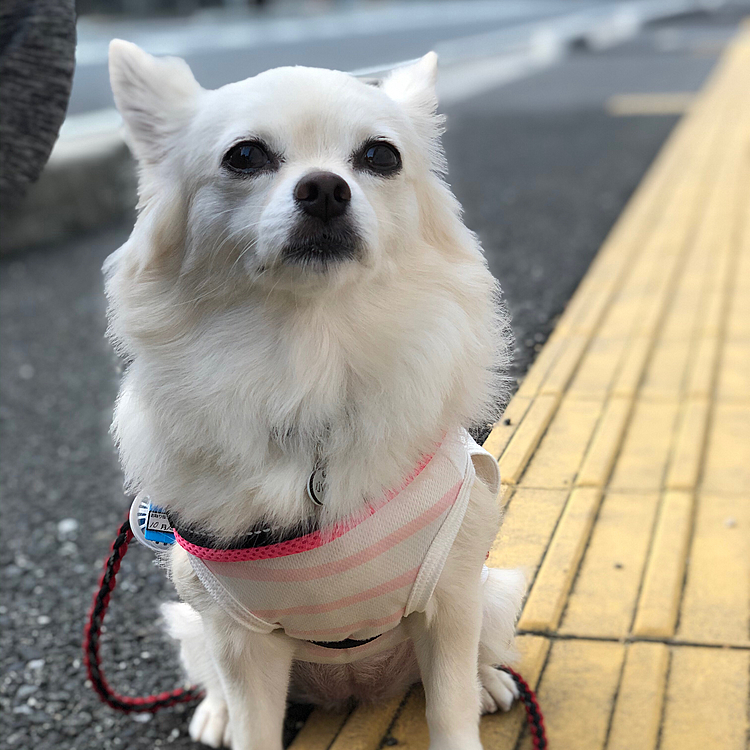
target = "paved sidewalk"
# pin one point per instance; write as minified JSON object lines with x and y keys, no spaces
{"x":625,"y":458}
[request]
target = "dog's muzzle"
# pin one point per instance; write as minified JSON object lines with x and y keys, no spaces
{"x":324,"y":234}
{"x":318,"y":246}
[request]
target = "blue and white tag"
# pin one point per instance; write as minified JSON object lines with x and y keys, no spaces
{"x":150,"y":525}
{"x":158,"y":528}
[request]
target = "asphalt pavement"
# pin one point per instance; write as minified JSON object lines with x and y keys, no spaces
{"x":542,"y":171}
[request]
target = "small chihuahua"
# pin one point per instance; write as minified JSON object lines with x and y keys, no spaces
{"x":310,"y":328}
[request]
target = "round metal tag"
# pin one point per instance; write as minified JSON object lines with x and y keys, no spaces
{"x":316,"y":485}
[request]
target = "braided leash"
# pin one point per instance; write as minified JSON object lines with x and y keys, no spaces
{"x":533,"y":712}
{"x":153,"y":703}
{"x":92,"y":633}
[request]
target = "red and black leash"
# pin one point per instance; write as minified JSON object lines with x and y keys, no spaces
{"x":533,"y":712}
{"x":92,"y":634}
{"x":153,"y":703}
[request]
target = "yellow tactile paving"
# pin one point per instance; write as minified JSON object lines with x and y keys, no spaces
{"x":556,"y":460}
{"x":660,"y":595}
{"x":605,"y":443}
{"x":598,"y":368}
{"x":576,"y":692}
{"x":506,"y":427}
{"x":530,"y":519}
{"x":547,"y":597}
{"x":527,"y":437}
{"x":734,"y":381}
{"x":319,"y":731}
{"x":534,"y":378}
{"x":638,"y":709}
{"x":366,"y":725}
{"x":643,"y":456}
{"x":715,"y":607}
{"x":603,"y":599}
{"x":706,"y":701}
{"x":687,"y":455}
{"x":502,"y":730}
{"x":625,"y":461}
{"x":703,"y":367}
{"x":626,"y":384}
{"x":727,"y":468}
{"x":738,"y":322}
{"x":565,"y":365}
{"x":666,"y":372}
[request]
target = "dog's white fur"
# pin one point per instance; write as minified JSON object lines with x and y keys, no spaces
{"x":245,"y":371}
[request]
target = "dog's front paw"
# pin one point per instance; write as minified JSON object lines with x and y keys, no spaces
{"x":498,"y":689}
{"x":210,"y":723}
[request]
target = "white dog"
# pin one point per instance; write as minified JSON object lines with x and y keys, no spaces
{"x":310,"y":325}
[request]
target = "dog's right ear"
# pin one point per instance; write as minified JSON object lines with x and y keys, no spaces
{"x":155,"y":96}
{"x":413,"y":86}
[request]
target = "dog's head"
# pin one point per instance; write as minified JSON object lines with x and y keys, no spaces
{"x":296,"y":178}
{"x":298,"y":275}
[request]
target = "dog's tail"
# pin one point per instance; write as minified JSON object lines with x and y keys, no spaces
{"x":504,"y":591}
{"x":184,"y":624}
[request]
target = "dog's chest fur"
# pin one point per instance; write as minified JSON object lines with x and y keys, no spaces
{"x":230,"y":420}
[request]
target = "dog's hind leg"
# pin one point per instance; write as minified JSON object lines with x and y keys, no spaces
{"x":210,"y":722}
{"x":502,"y":596}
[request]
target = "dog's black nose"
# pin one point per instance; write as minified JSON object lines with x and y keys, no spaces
{"x":323,"y":194}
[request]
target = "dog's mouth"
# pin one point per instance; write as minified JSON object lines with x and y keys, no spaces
{"x":320,"y":249}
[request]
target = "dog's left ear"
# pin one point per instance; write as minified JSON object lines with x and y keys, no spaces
{"x":413,"y":86}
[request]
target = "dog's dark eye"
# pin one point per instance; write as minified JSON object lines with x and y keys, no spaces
{"x":247,"y":157}
{"x":381,"y":157}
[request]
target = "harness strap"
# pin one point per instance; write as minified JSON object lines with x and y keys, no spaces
{"x":153,"y":703}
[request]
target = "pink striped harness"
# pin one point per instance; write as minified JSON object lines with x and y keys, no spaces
{"x":360,"y":579}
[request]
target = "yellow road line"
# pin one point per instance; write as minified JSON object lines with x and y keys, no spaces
{"x":673,"y":103}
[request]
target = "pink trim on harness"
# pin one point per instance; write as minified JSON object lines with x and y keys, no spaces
{"x":302,"y":543}
{"x":399,"y":582}
{"x":334,"y":567}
